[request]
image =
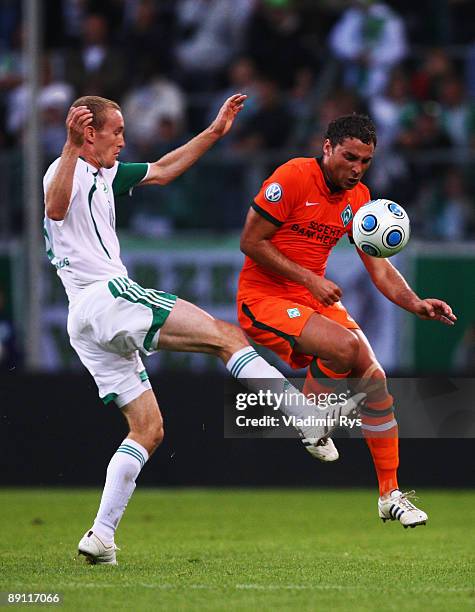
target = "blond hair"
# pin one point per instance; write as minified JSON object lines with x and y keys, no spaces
{"x":98,"y":107}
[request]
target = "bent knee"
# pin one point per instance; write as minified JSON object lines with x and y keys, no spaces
{"x":156,"y":435}
{"x":347,"y":352}
{"x":149,"y":435}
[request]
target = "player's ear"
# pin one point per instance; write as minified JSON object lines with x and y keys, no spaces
{"x":327,"y":147}
{"x":89,"y":134}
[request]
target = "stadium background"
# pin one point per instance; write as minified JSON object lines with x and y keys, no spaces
{"x":170,"y":65}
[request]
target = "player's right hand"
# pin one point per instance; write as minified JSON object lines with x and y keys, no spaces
{"x":324,"y":290}
{"x":79,"y":117}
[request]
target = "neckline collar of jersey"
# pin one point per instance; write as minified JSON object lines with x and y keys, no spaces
{"x":94,"y":170}
{"x":332,"y":189}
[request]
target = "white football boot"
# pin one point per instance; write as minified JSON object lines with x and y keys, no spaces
{"x":96,"y":551}
{"x":325,"y":450}
{"x":398,"y":507}
{"x":319,"y":445}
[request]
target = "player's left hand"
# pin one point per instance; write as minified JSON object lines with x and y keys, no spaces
{"x":227,"y":113}
{"x":432,"y":309}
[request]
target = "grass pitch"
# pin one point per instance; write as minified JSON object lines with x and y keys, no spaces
{"x":242,"y":550}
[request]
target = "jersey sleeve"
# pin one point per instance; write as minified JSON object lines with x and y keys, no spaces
{"x":279,"y":194}
{"x":128,"y":175}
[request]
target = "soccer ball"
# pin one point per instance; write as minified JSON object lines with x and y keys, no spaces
{"x":381,"y":228}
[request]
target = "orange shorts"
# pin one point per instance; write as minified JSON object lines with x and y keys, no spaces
{"x":277,"y":322}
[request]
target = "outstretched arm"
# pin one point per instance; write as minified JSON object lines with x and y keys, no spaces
{"x":393,"y":285}
{"x":171,"y":165}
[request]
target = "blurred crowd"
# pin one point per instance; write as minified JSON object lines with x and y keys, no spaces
{"x":170,"y":64}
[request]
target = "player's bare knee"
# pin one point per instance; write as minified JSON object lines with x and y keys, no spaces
{"x":347,"y":352}
{"x":149,"y":433}
{"x":156,"y":436}
{"x":155,"y":431}
{"x":152,"y":439}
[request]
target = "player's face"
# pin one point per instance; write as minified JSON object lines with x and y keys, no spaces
{"x":346,"y":163}
{"x":109,"y":140}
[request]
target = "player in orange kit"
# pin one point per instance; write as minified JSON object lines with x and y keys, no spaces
{"x":286,"y":303}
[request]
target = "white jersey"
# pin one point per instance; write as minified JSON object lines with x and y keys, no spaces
{"x":84,"y":247}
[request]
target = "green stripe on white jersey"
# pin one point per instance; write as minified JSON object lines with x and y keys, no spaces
{"x":159,"y":302}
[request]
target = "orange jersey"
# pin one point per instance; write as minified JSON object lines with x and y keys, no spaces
{"x":311,"y":220}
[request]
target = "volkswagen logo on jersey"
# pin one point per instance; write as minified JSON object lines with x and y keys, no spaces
{"x":273,"y":192}
{"x":347,"y":215}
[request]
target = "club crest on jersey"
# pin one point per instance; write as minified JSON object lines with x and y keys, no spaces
{"x":293,"y":313}
{"x":347,"y":215}
{"x":273,"y":192}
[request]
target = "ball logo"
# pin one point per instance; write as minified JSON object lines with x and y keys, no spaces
{"x":370,"y":249}
{"x":273,"y":192}
{"x":394,"y":238}
{"x":396,"y":210}
{"x":369,"y":223}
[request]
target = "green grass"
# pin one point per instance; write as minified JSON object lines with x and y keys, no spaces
{"x":243,"y":550}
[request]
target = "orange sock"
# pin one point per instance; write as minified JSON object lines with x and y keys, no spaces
{"x":321,"y":379}
{"x":378,"y":424}
{"x":381,"y":432}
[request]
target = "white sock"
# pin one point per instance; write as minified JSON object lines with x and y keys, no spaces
{"x":256,"y":373}
{"x":122,"y":471}
{"x":247,"y":363}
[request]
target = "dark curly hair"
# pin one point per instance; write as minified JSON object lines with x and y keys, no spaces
{"x":351,"y":126}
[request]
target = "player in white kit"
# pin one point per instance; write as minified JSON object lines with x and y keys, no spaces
{"x":112,"y":318}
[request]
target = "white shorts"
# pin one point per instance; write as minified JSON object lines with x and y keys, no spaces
{"x":109,"y":324}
